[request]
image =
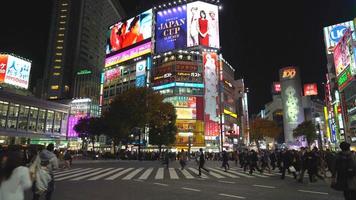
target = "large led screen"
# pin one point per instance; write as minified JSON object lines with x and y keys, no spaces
{"x":203,"y":25}
{"x":171,"y":29}
{"x":333,"y":34}
{"x":14,"y":71}
{"x":126,"y":33}
{"x":112,"y":75}
{"x":343,"y":53}
{"x":211,"y":115}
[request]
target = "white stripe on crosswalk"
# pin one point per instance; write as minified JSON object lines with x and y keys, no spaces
{"x":91,"y":174}
{"x":79,"y":174}
{"x":224,"y":173}
{"x":254,"y":174}
{"x":241,"y":174}
{"x":119,"y":174}
{"x":105,"y":174}
{"x":132,"y":174}
{"x":159,"y":174}
{"x":69,"y":173}
{"x":197,"y":172}
{"x":146,"y":174}
{"x":65,"y":171}
{"x":187,"y":174}
{"x":173,"y":174}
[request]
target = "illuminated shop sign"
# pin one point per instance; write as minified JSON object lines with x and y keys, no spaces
{"x":182,"y":101}
{"x":310,"y":89}
{"x":166,"y":75}
{"x":344,"y":78}
{"x":289,"y":73}
{"x":178,"y":84}
{"x":186,"y":113}
{"x":343,"y":54}
{"x":228,"y":83}
{"x":14,"y":71}
{"x":128,"y":55}
{"x":186,"y":68}
{"x":192,"y":74}
{"x":276,"y":88}
{"x":333,"y":34}
{"x":234,"y":115}
{"x":84,"y":72}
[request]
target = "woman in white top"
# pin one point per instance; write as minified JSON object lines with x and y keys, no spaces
{"x":14,"y":178}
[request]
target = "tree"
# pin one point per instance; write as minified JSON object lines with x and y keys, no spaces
{"x":88,"y":128}
{"x":306,"y":129}
{"x":261,"y":128}
{"x":162,"y":127}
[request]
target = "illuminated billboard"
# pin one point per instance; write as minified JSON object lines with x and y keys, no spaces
{"x":14,"y":71}
{"x":141,"y":73}
{"x":112,"y":75}
{"x":128,"y":55}
{"x":182,"y":101}
{"x":171,"y":29}
{"x":332,"y":34}
{"x":194,"y":24}
{"x":310,"y":89}
{"x":203,"y":24}
{"x":343,"y":53}
{"x":186,"y":113}
{"x":211,"y":109}
{"x":126,"y":33}
{"x":276,"y":88}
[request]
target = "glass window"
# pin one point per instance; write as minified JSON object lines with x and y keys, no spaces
{"x":13,"y":113}
{"x":3,"y":108}
{"x":33,"y":119}
{"x":41,"y":120}
{"x":57,"y":122}
{"x":23,"y":117}
{"x":49,"y":121}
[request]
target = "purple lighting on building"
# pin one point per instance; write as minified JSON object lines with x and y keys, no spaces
{"x":72,"y":121}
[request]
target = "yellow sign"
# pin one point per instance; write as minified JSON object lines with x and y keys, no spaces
{"x":289,"y":73}
{"x":234,"y":115}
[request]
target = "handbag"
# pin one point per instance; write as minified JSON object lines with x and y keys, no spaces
{"x":292,"y":169}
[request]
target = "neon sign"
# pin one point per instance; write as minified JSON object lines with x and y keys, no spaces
{"x":289,"y":73}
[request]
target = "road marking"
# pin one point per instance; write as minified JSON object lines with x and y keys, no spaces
{"x":232,"y":196}
{"x":132,"y":174}
{"x":159,"y":174}
{"x":230,"y":182}
{"x":76,"y":175}
{"x":187,"y":174}
{"x":241,"y":174}
{"x":223,"y":173}
{"x":105,"y":174}
{"x":68,"y":173}
{"x":119,"y":174}
{"x":265,"y":186}
{"x":191,"y":189}
{"x":91,"y":174}
{"x":313,"y":192}
{"x":173,"y":174}
{"x":254,"y":174}
{"x":161,"y":184}
{"x":197,"y":172}
{"x":146,"y":174}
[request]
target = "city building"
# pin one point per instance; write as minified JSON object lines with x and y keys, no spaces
{"x":75,"y":49}
{"x":29,"y":120}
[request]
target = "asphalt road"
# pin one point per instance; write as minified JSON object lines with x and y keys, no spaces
{"x":148,"y":180}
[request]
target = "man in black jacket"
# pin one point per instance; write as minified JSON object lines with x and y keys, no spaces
{"x":201,"y":161}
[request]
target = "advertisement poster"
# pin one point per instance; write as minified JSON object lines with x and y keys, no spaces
{"x":211,"y":115}
{"x":203,"y":25}
{"x":141,"y":68}
{"x":18,"y":72}
{"x":112,"y":75}
{"x":310,"y":89}
{"x":186,"y":113}
{"x":343,"y":53}
{"x":182,"y":101}
{"x":140,"y":81}
{"x":333,"y":34}
{"x":3,"y":64}
{"x":126,"y":33}
{"x":171,"y":29}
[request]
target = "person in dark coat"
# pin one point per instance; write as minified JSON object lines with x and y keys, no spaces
{"x":201,"y":161}
{"x":344,"y":176}
{"x":225,"y":161}
{"x":287,"y":159}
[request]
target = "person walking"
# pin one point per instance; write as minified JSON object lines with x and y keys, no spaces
{"x":67,"y":159}
{"x":14,"y":178}
{"x":344,"y":172}
{"x":202,"y":161}
{"x":183,"y":159}
{"x":49,"y":160}
{"x":166,"y":158}
{"x":225,"y":161}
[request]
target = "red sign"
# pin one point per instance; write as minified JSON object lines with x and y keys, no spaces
{"x":310,"y":89}
{"x":3,"y":66}
{"x":276,"y":87}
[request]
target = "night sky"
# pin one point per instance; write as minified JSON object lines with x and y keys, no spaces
{"x":257,"y":37}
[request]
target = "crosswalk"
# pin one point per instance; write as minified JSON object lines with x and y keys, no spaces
{"x":151,"y":173}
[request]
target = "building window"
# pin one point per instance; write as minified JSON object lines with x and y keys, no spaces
{"x":64,"y":10}
{"x":59,"y":47}
{"x":12,"y":116}
{"x":61,"y":34}
{"x":49,"y":121}
{"x":3,"y":108}
{"x":53,"y":97}
{"x":33,"y":119}
{"x":62,"y":22}
{"x":60,"y":41}
{"x":58,"y":60}
{"x":59,"y":54}
{"x":41,"y":120}
{"x":66,"y":88}
{"x":61,"y":28}
{"x":56,"y":74}
{"x":56,"y":67}
{"x":54,"y":87}
{"x":57,"y":122}
{"x":64,"y":4}
{"x":23,"y":117}
{"x":63,"y":16}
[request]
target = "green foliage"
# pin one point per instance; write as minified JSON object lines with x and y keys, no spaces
{"x":306,"y":129}
{"x":261,"y":128}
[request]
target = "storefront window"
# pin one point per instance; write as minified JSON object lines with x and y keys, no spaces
{"x":13,"y":113}
{"x":41,"y":120}
{"x":3,"y":108}
{"x":57,"y":122}
{"x":49,"y":121}
{"x":23,"y":117}
{"x":33,"y":119}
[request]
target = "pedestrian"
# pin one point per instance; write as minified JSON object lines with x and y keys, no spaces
{"x":48,"y":160}
{"x":67,"y":159}
{"x":183,"y":159}
{"x":273,"y":159}
{"x":225,"y":161}
{"x":166,"y":158}
{"x":14,"y":178}
{"x":344,"y":176}
{"x":201,"y":161}
{"x":287,"y":159}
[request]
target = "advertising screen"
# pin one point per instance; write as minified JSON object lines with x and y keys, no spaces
{"x":203,"y":24}
{"x":171,"y":29}
{"x":128,"y":55}
{"x":276,"y":88}
{"x":126,"y":33}
{"x":343,"y":53}
{"x":141,"y":68}
{"x":186,"y":113}
{"x":182,"y":101}
{"x":17,"y":71}
{"x":310,"y":89}
{"x":332,"y":34}
{"x":112,"y":75}
{"x":210,"y":63}
{"x":3,"y":65}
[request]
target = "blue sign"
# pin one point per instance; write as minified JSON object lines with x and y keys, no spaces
{"x":171,"y":29}
{"x":178,"y":84}
{"x":141,"y":81}
{"x":337,"y":32}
